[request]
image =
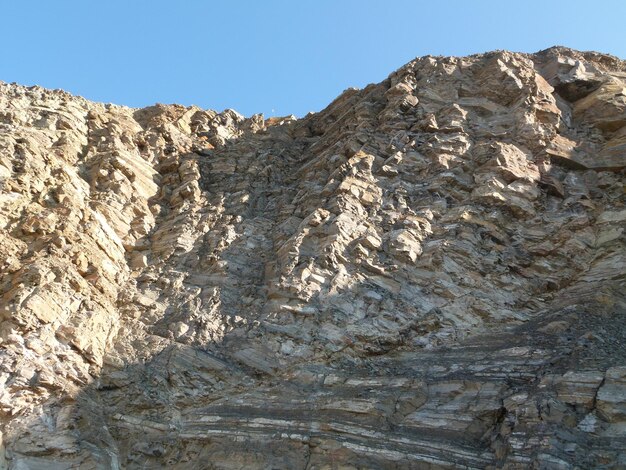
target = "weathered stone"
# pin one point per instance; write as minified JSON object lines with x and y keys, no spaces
{"x":611,"y":399}
{"x":429,"y":273}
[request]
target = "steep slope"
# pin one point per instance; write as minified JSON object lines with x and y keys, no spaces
{"x":427,"y":274}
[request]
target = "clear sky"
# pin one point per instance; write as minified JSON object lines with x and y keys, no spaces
{"x":272,"y":56}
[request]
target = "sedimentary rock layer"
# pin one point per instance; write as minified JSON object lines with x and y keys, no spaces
{"x":429,"y":273}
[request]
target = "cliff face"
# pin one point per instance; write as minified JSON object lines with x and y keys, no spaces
{"x":430,"y":273}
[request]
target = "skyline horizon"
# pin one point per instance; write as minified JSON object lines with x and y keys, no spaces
{"x":279,"y":57}
{"x":556,"y":46}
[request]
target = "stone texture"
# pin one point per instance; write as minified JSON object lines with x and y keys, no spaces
{"x":429,"y":273}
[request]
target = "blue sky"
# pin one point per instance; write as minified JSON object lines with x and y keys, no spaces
{"x":275,"y":56}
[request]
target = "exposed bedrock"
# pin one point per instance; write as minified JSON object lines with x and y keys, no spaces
{"x":429,"y":273}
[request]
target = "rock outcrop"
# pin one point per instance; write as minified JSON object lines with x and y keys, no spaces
{"x":429,"y":273}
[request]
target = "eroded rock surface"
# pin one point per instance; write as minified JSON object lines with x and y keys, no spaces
{"x":430,"y":273}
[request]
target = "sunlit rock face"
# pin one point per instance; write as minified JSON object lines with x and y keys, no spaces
{"x":429,"y":273}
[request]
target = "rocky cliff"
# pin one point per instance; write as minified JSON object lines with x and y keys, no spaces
{"x":429,"y":273}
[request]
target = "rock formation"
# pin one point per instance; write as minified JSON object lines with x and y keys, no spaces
{"x":429,"y":273}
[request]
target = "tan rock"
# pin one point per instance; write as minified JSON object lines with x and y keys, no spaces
{"x":429,"y":273}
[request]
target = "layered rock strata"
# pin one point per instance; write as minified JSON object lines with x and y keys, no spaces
{"x":429,"y":273}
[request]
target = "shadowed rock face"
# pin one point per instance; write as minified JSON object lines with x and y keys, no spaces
{"x":430,"y":273}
